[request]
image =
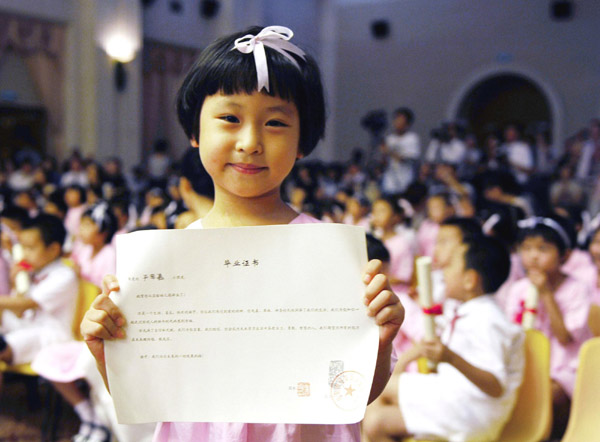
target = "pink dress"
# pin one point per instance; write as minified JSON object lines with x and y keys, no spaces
{"x":426,"y":237}
{"x":402,"y":260}
{"x":241,"y":432}
{"x":93,"y":268}
{"x":578,"y":263}
{"x":573,"y":299}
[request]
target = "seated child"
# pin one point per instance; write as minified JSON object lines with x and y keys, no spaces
{"x":96,"y":256}
{"x":438,"y":209}
{"x":594,"y":282}
{"x":44,"y":315}
{"x":385,"y":217}
{"x":479,"y":355}
{"x":564,"y":304}
{"x":75,"y":199}
{"x":357,"y":210}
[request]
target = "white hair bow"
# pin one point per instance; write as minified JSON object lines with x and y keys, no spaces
{"x":530,"y":223}
{"x":274,"y":37}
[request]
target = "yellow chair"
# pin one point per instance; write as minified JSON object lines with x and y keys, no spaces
{"x":87,"y":293}
{"x":531,"y":419}
{"x":584,"y":424}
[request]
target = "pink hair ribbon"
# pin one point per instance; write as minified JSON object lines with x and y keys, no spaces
{"x":274,"y":37}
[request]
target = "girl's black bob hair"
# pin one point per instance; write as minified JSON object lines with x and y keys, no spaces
{"x":551,"y":235}
{"x":221,"y":69}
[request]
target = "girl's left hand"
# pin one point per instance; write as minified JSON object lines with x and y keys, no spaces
{"x":382,"y":303}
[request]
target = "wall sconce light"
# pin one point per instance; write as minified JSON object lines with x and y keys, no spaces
{"x":121,"y":50}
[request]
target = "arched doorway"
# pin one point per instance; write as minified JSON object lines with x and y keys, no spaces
{"x":499,"y":99}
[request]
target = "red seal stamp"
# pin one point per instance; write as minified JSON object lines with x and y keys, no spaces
{"x":348,"y":390}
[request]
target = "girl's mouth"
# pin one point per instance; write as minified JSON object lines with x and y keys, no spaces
{"x":248,"y":169}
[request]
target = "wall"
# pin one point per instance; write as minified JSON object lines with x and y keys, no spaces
{"x":436,"y":49}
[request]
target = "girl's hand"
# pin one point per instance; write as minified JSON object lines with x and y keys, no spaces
{"x":103,"y":320}
{"x":435,"y":351}
{"x":382,"y":303}
{"x":539,"y":279}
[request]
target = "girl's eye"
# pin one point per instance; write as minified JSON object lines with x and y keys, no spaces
{"x":276,"y":123}
{"x":230,"y":119}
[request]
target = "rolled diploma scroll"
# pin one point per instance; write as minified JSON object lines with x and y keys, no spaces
{"x":22,"y":277}
{"x":425,"y":290}
{"x":531,"y":305}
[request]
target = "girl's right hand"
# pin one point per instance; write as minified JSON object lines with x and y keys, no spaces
{"x":103,"y":320}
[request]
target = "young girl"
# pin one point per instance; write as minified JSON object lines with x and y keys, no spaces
{"x":564,"y":303}
{"x":75,"y":198}
{"x":386,"y":217}
{"x":95,"y":257}
{"x":438,"y":209}
{"x":593,"y":279}
{"x":250,"y":131}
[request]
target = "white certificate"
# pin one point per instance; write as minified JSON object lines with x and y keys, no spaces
{"x":249,"y":324}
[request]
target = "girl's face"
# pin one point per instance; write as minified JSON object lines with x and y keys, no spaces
{"x":438,"y":210}
{"x":383,"y":215}
{"x":539,"y":254}
{"x":88,"y":231}
{"x":72,"y":198}
{"x":248,"y":143}
{"x":595,"y":248}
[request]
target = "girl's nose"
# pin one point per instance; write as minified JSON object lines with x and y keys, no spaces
{"x":249,"y":140}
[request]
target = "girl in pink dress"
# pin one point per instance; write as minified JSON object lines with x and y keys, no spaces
{"x":75,"y":198}
{"x":249,"y":140}
{"x":591,"y":277}
{"x":438,"y":209}
{"x":564,"y":303}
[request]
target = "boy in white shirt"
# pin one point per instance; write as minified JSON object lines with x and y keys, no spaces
{"x":45,"y":313}
{"x":479,"y":355}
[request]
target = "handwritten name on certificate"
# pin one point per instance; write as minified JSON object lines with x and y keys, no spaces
{"x":249,"y":324}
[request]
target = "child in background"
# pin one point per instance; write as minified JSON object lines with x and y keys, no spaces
{"x":594,"y":281}
{"x":564,"y":304}
{"x":357,"y":209}
{"x":96,"y":256}
{"x":75,"y":198}
{"x":121,"y":207}
{"x":438,"y":209}
{"x":44,"y":315}
{"x":386,"y":216}
{"x":65,"y":363}
{"x":12,"y":219}
{"x":452,"y":233}
{"x":249,"y":140}
{"x":479,"y":358}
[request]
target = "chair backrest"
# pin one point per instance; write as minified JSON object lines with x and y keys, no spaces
{"x":584,"y":424}
{"x":531,"y":418}
{"x":87,"y":294}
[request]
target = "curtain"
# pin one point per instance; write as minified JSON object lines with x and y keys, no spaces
{"x":41,"y":45}
{"x":164,"y":68}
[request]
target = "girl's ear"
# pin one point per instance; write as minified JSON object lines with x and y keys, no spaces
{"x":194,"y":143}
{"x":470,"y":280}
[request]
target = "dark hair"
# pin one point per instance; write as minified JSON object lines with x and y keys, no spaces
{"x":51,"y":228}
{"x":58,"y":199}
{"x":393,"y":202}
{"x":550,"y":234}
{"x":218,"y":68}
{"x":376,"y":249}
{"x":193,"y":170}
{"x":15,"y":213}
{"x":102,"y":215}
{"x":468,"y":227}
{"x":490,"y":259}
{"x":408,"y":114}
{"x":80,"y":189}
